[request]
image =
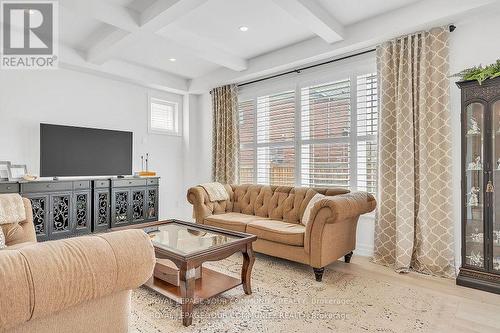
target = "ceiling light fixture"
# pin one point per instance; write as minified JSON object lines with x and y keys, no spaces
{"x":243,"y":28}
{"x":172,"y":59}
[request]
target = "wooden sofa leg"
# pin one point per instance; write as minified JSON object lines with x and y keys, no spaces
{"x":347,"y":257}
{"x":318,"y":272}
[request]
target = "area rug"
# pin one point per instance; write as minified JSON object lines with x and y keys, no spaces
{"x":286,"y":298}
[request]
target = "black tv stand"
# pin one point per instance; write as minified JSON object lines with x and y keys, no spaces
{"x":72,"y":207}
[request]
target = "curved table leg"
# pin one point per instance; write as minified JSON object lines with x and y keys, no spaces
{"x":246,"y":271}
{"x":187,"y":284}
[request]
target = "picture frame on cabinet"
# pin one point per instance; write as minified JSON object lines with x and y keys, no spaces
{"x":4,"y":170}
{"x":17,"y":171}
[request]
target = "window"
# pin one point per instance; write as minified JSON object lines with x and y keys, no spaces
{"x":163,"y":117}
{"x":322,"y":135}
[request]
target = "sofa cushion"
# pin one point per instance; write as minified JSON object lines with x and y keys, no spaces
{"x":18,"y":246}
{"x":278,"y":231}
{"x":231,"y":221}
{"x":307,"y":212}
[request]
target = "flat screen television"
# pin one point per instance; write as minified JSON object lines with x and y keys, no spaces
{"x":67,"y":151}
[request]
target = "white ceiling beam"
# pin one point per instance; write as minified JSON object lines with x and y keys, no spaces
{"x":114,"y":15}
{"x":103,"y":49}
{"x":69,"y":58}
{"x":132,"y":25}
{"x":359,"y":36}
{"x":160,"y":12}
{"x":315,"y":18}
{"x":164,"y":12}
{"x":204,"y":48}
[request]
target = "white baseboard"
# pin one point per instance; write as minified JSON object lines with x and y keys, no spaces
{"x":364,"y":250}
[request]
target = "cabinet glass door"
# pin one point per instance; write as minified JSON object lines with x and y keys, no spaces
{"x":120,"y":207}
{"x":138,"y":205}
{"x":60,"y":215}
{"x":474,"y":185}
{"x":82,"y":205}
{"x":496,"y":182}
{"x":40,"y":205}
{"x":152,"y":204}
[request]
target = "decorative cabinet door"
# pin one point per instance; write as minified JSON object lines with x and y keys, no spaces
{"x":152,"y":204}
{"x":102,"y":205}
{"x":495,"y":232}
{"x":40,"y":205}
{"x":60,"y":215}
{"x":474,"y":150}
{"x":120,"y":207}
{"x":138,"y":197}
{"x":81,"y":211}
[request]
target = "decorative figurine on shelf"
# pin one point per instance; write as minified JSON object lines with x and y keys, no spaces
{"x":498,"y":164}
{"x":496,"y":237}
{"x":476,"y":164}
{"x":496,"y":263}
{"x":478,"y":237}
{"x":474,"y":127}
{"x":475,"y":259}
{"x":474,"y":199}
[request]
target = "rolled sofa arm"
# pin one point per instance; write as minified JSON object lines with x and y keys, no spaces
{"x":344,"y":206}
{"x":42,"y":279}
{"x":202,"y":207}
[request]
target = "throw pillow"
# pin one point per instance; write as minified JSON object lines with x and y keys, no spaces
{"x":2,"y":240}
{"x":307,"y":213}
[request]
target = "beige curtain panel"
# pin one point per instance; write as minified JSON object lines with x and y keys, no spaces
{"x":225,"y":138}
{"x":414,"y":226}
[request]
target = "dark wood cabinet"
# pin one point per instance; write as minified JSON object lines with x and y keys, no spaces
{"x":480,"y":182}
{"x":76,"y":207}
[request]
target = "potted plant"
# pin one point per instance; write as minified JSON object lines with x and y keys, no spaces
{"x":480,"y":73}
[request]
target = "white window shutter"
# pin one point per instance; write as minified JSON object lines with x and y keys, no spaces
{"x":163,"y":116}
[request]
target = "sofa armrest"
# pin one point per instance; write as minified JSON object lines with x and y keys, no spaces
{"x":42,"y":279}
{"x":202,"y":207}
{"x":344,"y":207}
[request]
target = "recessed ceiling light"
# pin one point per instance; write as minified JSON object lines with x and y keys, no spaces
{"x":172,"y":59}
{"x":243,"y":28}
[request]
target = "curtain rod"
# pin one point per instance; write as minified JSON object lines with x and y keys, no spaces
{"x":451,"y":27}
{"x":298,"y":70}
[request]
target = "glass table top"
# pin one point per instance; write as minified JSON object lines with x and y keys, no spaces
{"x":184,"y":240}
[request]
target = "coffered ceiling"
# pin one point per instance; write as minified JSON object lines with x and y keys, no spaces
{"x":193,"y":45}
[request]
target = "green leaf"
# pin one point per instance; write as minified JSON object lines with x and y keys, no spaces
{"x":479,"y":73}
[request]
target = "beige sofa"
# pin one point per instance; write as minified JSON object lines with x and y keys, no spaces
{"x":274,"y":213}
{"x":75,"y":285}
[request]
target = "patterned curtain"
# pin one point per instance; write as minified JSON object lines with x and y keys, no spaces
{"x":414,"y":226}
{"x":225,"y":140}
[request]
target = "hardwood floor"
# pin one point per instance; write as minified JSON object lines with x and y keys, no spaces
{"x":473,"y":310}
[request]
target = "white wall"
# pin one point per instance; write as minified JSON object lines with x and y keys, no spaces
{"x":67,"y":97}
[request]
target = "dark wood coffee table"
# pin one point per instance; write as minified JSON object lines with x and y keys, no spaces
{"x":189,"y":245}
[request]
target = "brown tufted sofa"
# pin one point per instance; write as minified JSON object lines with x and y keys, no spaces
{"x":273,"y":213}
{"x":75,"y":285}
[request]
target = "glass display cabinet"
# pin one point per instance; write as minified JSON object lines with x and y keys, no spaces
{"x":480,"y":179}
